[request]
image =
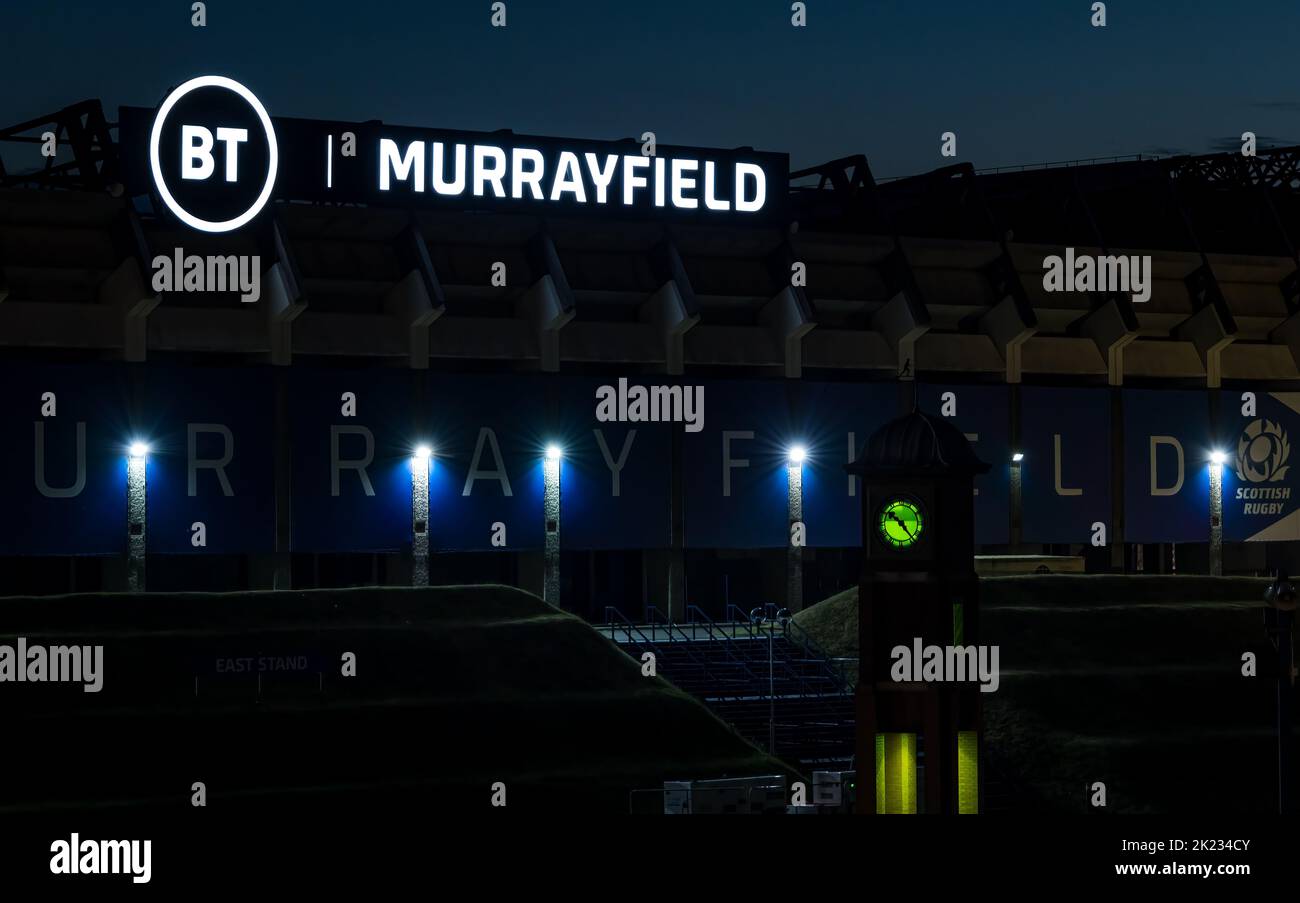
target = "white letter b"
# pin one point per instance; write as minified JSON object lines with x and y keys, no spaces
{"x":196,"y":144}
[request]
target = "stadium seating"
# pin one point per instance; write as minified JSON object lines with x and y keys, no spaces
{"x":766,"y":680}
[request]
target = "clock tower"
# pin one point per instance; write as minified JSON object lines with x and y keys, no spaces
{"x":918,"y":743}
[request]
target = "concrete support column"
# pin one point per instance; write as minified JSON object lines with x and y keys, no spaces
{"x":1017,"y":460}
{"x":672,"y":310}
{"x":4,"y":282}
{"x":551,"y":511}
{"x":794,"y":551}
{"x":1285,"y":333}
{"x":1117,"y":479}
{"x":421,"y":461}
{"x":137,"y":462}
{"x":126,"y":290}
{"x":278,"y":572}
{"x":1009,"y":323}
{"x":666,"y":311}
{"x":284,"y":298}
{"x":1210,"y":330}
{"x":417,"y":299}
{"x":676,"y":600}
{"x":1216,"y":514}
{"x":902,"y":321}
{"x":1112,"y":325}
{"x":789,"y":318}
{"x":548,"y":304}
{"x":541,"y":306}
{"x":282,"y":308}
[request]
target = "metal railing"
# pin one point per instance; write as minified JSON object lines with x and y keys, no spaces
{"x":616,"y":622}
{"x":741,"y":641}
{"x":624,"y":624}
{"x":700,"y":620}
{"x":801,"y":638}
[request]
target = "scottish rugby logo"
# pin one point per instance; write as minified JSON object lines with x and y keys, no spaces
{"x":1262,"y":453}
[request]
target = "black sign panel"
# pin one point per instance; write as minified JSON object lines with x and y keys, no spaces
{"x":213,"y":157}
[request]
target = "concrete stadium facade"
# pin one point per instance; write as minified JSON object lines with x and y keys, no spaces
{"x":935,"y":278}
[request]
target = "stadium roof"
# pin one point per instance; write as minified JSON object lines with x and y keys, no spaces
{"x":936,"y":274}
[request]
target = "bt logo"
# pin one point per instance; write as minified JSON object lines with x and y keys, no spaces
{"x":196,"y":151}
{"x":213,"y":154}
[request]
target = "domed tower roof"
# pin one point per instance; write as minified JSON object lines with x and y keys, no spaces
{"x":918,"y":442}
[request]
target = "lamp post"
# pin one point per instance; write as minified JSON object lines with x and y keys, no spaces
{"x":137,"y":465}
{"x":757,"y":619}
{"x":1217,"y":459}
{"x":794,"y":515}
{"x":551,"y":511}
{"x":421,"y":461}
{"x":1279,"y":621}
{"x":1017,"y":486}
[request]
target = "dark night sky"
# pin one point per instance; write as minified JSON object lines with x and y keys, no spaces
{"x":1020,"y":81}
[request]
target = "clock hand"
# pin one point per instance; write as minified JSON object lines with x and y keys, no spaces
{"x":898,"y":520}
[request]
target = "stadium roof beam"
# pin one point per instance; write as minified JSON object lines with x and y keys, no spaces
{"x":844,"y":197}
{"x":417,"y":299}
{"x":789,"y":315}
{"x":84,"y":129}
{"x":904,"y":318}
{"x":127,"y":290}
{"x":1288,"y":334}
{"x":672,"y":310}
{"x":1112,"y":325}
{"x":1010,"y":320}
{"x":1285,"y":333}
{"x":1211,"y":328}
{"x":284,"y":297}
{"x":548,"y":303}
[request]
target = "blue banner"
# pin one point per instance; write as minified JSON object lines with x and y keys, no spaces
{"x":66,"y":432}
{"x":353,"y":435}
{"x":1066,"y":470}
{"x":735,"y":469}
{"x":982,"y":413}
{"x":1261,"y":484}
{"x":489,"y":436}
{"x":832,"y":422}
{"x":1166,"y":466}
{"x":616,"y":476}
{"x":211,"y":460}
{"x":353,"y":438}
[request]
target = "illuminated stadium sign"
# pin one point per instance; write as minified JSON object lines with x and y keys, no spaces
{"x":190,"y":181}
{"x":212,"y":156}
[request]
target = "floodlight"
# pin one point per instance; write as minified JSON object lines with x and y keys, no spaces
{"x":1017,"y":457}
{"x":553,"y":453}
{"x":797,"y":454}
{"x":139,"y":449}
{"x":423,"y":452}
{"x":1218,"y":457}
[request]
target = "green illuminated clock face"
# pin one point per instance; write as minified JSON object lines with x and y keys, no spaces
{"x":901,"y":523}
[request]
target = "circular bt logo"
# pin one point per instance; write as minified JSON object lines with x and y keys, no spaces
{"x":213,"y":154}
{"x":901,"y":523}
